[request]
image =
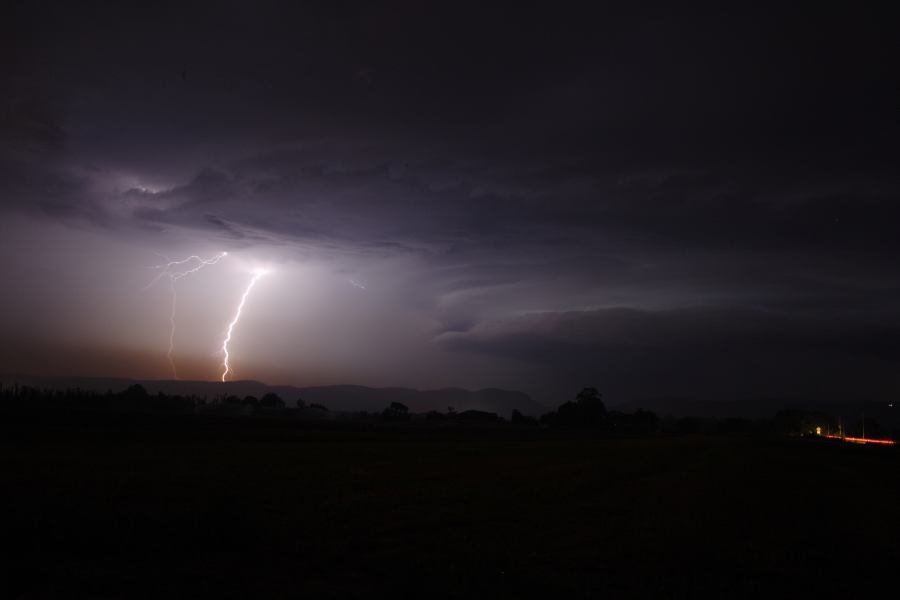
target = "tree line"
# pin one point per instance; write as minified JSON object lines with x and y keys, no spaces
{"x":586,"y":411}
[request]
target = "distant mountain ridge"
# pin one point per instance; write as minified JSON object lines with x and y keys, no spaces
{"x":349,"y":398}
{"x":885,"y":413}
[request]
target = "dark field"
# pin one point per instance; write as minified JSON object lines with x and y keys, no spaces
{"x":249,"y":511}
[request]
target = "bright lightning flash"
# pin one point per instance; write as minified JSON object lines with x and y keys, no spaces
{"x":237,"y":316}
{"x":175,"y":270}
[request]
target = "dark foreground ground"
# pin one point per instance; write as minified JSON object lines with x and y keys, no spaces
{"x":247,"y":511}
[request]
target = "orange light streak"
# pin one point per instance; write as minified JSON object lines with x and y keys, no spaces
{"x":857,"y":440}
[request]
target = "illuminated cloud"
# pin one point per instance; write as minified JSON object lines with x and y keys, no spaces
{"x":517,"y":215}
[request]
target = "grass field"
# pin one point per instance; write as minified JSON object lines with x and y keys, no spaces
{"x":307,"y":513}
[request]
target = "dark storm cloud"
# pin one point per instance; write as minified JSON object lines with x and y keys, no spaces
{"x":735,"y":353}
{"x":603,"y":171}
{"x":702,"y":330}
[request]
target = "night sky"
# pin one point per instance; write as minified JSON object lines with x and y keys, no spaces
{"x":695,"y":201}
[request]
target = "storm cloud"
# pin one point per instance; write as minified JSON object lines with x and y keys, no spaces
{"x":650,"y":201}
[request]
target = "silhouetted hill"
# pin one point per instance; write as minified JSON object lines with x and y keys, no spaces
{"x":335,"y":397}
{"x":851,"y":410}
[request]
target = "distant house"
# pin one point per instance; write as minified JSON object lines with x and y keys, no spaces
{"x":804,"y":422}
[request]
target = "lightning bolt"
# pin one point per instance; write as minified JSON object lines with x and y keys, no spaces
{"x":175,"y":270}
{"x":169,"y":268}
{"x":237,"y":316}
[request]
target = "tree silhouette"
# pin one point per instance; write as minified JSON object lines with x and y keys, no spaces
{"x":590,"y":397}
{"x":135,"y":391}
{"x":397,"y":411}
{"x":518,"y":418}
{"x":587,"y":410}
{"x":271,"y":400}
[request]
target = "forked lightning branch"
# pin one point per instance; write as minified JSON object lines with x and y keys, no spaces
{"x":178,"y":269}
